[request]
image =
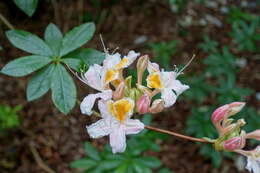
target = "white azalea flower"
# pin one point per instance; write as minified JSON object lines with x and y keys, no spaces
{"x":166,"y":82}
{"x":116,"y":123}
{"x":113,"y":65}
{"x":253,"y":161}
{"x":99,"y":77}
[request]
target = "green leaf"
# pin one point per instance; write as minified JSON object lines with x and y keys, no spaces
{"x":63,"y":89}
{"x":83,"y":164}
{"x":28,"y":42}
{"x":109,"y":164}
{"x":139,"y":168}
{"x":88,"y":56}
{"x":122,"y":168}
{"x":72,"y":63}
{"x":27,"y":6}
{"x":40,"y":83}
{"x":150,"y":162}
{"x":77,"y":37}
{"x":25,"y":65}
{"x":91,"y":151}
{"x":53,"y":38}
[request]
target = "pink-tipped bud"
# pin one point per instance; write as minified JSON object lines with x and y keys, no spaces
{"x":254,"y":135}
{"x":119,"y":92}
{"x":157,"y":106}
{"x":233,"y":144}
{"x":143,"y":104}
{"x":226,"y":110}
{"x":235,"y":107}
{"x":219,"y":114}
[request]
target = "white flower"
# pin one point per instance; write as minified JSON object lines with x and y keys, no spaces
{"x":113,"y":65}
{"x":116,"y":123}
{"x":253,"y":161}
{"x":166,"y":82}
{"x":99,"y":77}
{"x":93,"y":78}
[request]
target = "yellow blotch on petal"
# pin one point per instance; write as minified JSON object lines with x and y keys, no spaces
{"x":154,"y":80}
{"x":122,"y":63}
{"x":111,"y":75}
{"x":121,"y":109}
{"x":116,"y":82}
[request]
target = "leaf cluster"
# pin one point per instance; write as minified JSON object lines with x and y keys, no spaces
{"x":49,"y":60}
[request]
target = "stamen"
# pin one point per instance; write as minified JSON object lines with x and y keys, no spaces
{"x":82,"y":78}
{"x":103,"y":44}
{"x":115,"y":50}
{"x":180,"y":72}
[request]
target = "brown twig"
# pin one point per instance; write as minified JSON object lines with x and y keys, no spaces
{"x":177,"y":134}
{"x":39,"y":160}
{"x":6,"y":22}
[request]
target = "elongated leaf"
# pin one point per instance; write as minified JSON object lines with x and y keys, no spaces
{"x":83,"y":164}
{"x":91,"y":151}
{"x":25,"y":65}
{"x":63,"y":89}
{"x":88,"y":56}
{"x":40,"y":83}
{"x":27,"y":6}
{"x":151,"y":162}
{"x":72,"y":63}
{"x":53,"y":38}
{"x":77,"y":37}
{"x":28,"y":42}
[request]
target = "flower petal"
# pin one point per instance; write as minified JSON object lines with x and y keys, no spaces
{"x":178,"y":87}
{"x":111,"y":60}
{"x":89,"y":101}
{"x":117,"y":139}
{"x":168,"y":78}
{"x":168,"y":97}
{"x":99,"y":129}
{"x":154,"y":80}
{"x":153,"y":67}
{"x":93,"y":77}
{"x":102,"y":106}
{"x":128,"y":60}
{"x":253,"y":165}
{"x":133,"y":126}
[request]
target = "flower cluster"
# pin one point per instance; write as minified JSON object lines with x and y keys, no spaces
{"x":118,"y":100}
{"x":232,"y":138}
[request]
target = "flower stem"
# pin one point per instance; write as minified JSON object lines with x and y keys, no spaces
{"x":6,"y":22}
{"x":177,"y":134}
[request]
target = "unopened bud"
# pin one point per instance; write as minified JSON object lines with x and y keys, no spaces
{"x":235,"y":143}
{"x":157,"y":106}
{"x":143,"y":104}
{"x":119,"y":92}
{"x":142,"y":64}
{"x":254,"y":135}
{"x":235,"y":107}
{"x":219,"y":114}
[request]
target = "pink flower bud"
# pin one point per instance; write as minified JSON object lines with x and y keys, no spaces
{"x":226,"y":110}
{"x":219,"y":114}
{"x":235,"y":107}
{"x":143,"y":104}
{"x":234,"y":143}
{"x":254,"y":135}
